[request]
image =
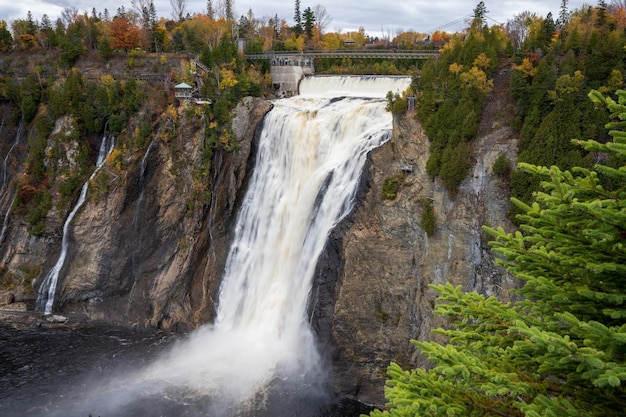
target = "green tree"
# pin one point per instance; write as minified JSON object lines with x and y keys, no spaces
{"x":6,"y":40}
{"x":228,"y":9}
{"x":561,"y":351}
{"x":297,"y":18}
{"x":47,"y":37}
{"x":104,"y":48}
{"x":428,"y":217}
{"x":564,"y":15}
{"x":309,"y":21}
{"x":28,"y":107}
{"x":210,"y":11}
{"x":480,"y":13}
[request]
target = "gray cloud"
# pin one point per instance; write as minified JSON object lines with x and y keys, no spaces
{"x":374,"y":16}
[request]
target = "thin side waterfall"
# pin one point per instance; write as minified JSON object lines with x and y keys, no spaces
{"x":139,"y":205}
{"x":3,"y":186}
{"x":5,"y":223}
{"x":45,"y":298}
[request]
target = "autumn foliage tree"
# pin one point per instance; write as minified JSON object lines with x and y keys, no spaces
{"x":124,"y":35}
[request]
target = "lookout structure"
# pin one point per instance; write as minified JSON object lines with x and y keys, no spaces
{"x":183,"y":91}
{"x":186,"y":92}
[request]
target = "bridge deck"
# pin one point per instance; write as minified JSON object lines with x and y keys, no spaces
{"x":361,"y":54}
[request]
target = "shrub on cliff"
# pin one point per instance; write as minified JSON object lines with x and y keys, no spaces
{"x":428,"y":217}
{"x":562,"y":350}
{"x":502,"y":167}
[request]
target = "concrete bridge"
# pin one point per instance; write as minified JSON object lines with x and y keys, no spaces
{"x":350,"y":53}
{"x":287,"y":68}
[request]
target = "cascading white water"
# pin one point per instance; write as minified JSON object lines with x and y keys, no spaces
{"x":259,"y":357}
{"x":45,"y":298}
{"x":311,"y":153}
{"x":369,"y":86}
{"x":5,"y":223}
{"x":18,"y":136}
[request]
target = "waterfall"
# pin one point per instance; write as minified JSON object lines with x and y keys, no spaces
{"x":18,"y":136}
{"x":259,"y":357}
{"x":139,"y":206}
{"x":45,"y":298}
{"x":5,"y":223}
{"x":311,"y":153}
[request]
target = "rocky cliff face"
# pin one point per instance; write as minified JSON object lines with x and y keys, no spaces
{"x":145,"y":251}
{"x":373,"y":292}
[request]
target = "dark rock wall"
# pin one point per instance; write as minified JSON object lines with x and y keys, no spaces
{"x":372,"y":295}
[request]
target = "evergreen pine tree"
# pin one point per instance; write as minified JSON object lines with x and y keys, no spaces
{"x":601,"y":13}
{"x":229,"y":10}
{"x":209,"y":9}
{"x":562,"y":350}
{"x":563,"y":15}
{"x":480,"y":13}
{"x":309,"y":21}
{"x":297,"y":18}
{"x":31,"y":25}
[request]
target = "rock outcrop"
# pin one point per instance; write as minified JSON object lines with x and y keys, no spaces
{"x":373,"y":292}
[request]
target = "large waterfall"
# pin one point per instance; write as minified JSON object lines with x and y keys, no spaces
{"x":311,"y":153}
{"x":310,"y":156}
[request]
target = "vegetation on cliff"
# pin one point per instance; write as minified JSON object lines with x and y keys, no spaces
{"x":452,"y":90}
{"x":71,"y":83}
{"x":555,"y":65}
{"x":67,"y":106}
{"x":560,"y":63}
{"x":562,"y":349}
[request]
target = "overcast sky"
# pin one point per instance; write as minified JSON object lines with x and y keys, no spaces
{"x":376,"y":16}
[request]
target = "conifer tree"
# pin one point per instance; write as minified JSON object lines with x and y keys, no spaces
{"x":561,"y":351}
{"x":309,"y":21}
{"x":563,"y":15}
{"x":480,"y":12}
{"x":209,"y":9}
{"x":297,"y":18}
{"x":229,"y":9}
